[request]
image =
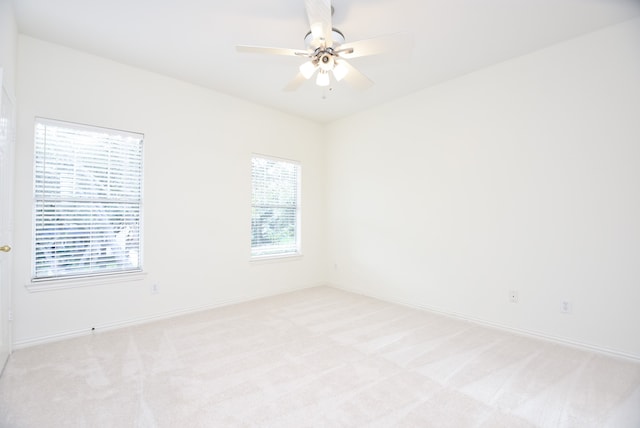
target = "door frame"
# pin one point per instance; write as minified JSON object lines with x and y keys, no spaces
{"x":7,"y":165}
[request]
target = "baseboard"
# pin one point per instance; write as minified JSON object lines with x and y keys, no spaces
{"x":151,"y":318}
{"x":486,"y":323}
{"x":194,"y":309}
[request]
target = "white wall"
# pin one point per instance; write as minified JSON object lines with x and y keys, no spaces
{"x":198,"y":145}
{"x":525,"y":176}
{"x":8,"y":43}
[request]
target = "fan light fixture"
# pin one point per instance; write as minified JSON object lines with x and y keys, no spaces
{"x":324,"y":58}
{"x":340,"y":71}
{"x":323,"y":78}
{"x":325,"y":61}
{"x":307,"y":69}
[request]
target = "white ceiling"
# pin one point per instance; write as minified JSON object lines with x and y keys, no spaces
{"x":194,"y":40}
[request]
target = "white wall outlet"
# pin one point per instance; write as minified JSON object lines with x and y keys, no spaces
{"x":565,"y":307}
{"x":513,"y":296}
{"x":155,"y":288}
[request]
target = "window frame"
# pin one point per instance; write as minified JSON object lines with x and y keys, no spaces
{"x":298,"y":213}
{"x":96,"y":277}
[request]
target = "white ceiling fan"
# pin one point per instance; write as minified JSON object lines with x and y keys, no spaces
{"x":327,"y":52}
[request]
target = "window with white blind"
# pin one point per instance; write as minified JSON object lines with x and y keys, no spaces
{"x":88,"y":200}
{"x":275,"y":207}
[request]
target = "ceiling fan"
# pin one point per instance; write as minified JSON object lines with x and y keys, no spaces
{"x":327,"y":53}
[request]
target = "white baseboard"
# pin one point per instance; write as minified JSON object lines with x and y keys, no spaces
{"x":486,"y":323}
{"x":185,"y":311}
{"x":147,"y":319}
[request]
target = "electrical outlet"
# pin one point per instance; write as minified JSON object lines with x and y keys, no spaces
{"x":155,"y":288}
{"x":513,"y":296}
{"x":565,"y":307}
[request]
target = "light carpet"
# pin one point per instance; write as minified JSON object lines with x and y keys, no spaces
{"x":316,"y":358}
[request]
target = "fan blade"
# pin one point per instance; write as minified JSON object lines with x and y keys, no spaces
{"x":355,"y":78}
{"x":272,"y":51}
{"x":319,"y":14}
{"x":295,"y":83}
{"x":376,"y":45}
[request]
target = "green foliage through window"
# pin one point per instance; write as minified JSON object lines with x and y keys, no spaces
{"x":274,"y":206}
{"x":88,"y":200}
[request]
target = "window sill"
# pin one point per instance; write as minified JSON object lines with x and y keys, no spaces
{"x":275,"y":258}
{"x":83,"y":281}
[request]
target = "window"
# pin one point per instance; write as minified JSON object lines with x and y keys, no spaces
{"x":275,"y":207}
{"x":88,"y":200}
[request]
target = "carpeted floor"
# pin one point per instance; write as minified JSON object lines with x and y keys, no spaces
{"x":318,"y":357}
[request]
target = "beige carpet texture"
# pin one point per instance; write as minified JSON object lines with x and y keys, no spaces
{"x":319,"y":357}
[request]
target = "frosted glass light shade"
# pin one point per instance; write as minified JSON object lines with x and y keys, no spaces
{"x":339,"y":71}
{"x":323,"y":78}
{"x":307,"y":69}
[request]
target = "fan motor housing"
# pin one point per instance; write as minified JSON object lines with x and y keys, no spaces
{"x":326,"y":60}
{"x":336,"y":36}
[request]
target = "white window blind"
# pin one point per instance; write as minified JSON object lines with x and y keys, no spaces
{"x":88,"y":200}
{"x":275,"y":210}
